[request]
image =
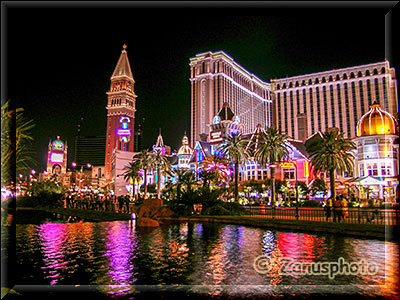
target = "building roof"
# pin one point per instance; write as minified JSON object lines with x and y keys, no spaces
{"x":226,"y":113}
{"x":377,"y":122}
{"x":123,"y":68}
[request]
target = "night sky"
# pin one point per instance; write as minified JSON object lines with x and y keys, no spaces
{"x":60,"y":60}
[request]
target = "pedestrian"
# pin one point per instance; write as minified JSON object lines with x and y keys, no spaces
{"x":328,"y":208}
{"x":337,"y":211}
{"x":127,"y":201}
{"x":344,"y":207}
{"x":120,"y":203}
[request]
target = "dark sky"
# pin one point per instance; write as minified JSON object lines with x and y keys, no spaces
{"x":60,"y":59}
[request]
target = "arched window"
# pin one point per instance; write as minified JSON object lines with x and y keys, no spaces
{"x":290,"y":85}
{"x":297,"y":83}
{"x":316,"y":80}
{"x":310,"y":81}
{"x":284,"y":85}
{"x":367,"y":73}
{"x":337,"y":77}
{"x":383,"y":71}
{"x":345,"y":76}
{"x":303,"y":82}
{"x":330,"y":78}
{"x":360,"y":74}
{"x":352,"y":75}
{"x":323,"y":79}
{"x":375,"y":72}
{"x":278,"y":86}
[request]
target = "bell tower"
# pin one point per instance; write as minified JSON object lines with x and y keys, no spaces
{"x":120,"y":111}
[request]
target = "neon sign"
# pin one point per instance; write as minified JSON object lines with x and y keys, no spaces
{"x":58,"y":145}
{"x":124,"y":130}
{"x":56,"y":157}
{"x":216,"y":137}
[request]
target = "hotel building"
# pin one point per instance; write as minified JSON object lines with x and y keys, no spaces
{"x":215,"y":79}
{"x":338,"y":98}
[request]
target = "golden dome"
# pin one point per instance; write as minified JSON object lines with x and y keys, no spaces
{"x":376,"y":121}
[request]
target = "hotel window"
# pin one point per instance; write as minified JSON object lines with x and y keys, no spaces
{"x":369,"y":92}
{"x":332,"y":105}
{"x":346,"y":98}
{"x":340,"y":112}
{"x":361,"y":170}
{"x":325,"y":106}
{"x":304,"y":101}
{"x":318,"y":108}
{"x":385,"y":94}
{"x":377,"y":90}
{"x":291,"y":115}
{"x":285,"y":110}
{"x":386,"y":169}
{"x":362,"y":98}
{"x":289,"y":173}
{"x":353,"y":92}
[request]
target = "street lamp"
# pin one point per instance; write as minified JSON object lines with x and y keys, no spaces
{"x":297,"y":192}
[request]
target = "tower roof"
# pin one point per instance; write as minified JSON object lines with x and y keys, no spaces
{"x":159,"y":142}
{"x":376,"y":121}
{"x":123,"y":68}
{"x":226,"y":114}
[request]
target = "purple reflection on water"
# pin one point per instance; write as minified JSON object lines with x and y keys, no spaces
{"x":121,"y":248}
{"x":52,"y":240}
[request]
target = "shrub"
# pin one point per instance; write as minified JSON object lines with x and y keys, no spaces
{"x":218,"y":210}
{"x":311,"y":203}
{"x":43,"y":198}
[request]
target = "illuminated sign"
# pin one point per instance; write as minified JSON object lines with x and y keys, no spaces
{"x":58,"y":145}
{"x":123,"y":131}
{"x":306,"y":170}
{"x":287,"y":165}
{"x":56,"y":157}
{"x":216,"y":137}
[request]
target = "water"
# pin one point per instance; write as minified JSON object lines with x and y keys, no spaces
{"x":117,"y":259}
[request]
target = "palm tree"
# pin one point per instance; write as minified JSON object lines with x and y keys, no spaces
{"x":132,"y":172}
{"x":161,"y":163}
{"x":15,"y":154}
{"x":145,"y":163}
{"x":234,"y":147}
{"x":271,"y":149}
{"x":216,"y":168}
{"x":330,"y":152}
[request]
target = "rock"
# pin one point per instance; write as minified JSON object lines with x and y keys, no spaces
{"x":146,"y":222}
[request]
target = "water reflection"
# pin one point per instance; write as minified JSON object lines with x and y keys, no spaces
{"x":118,"y":258}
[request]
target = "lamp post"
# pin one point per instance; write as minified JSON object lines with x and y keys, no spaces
{"x":297,"y":192}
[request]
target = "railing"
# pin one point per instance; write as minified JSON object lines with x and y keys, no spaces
{"x":359,"y":215}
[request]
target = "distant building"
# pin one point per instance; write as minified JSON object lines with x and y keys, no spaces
{"x":314,"y":102}
{"x":138,"y":142}
{"x":90,"y":150}
{"x":377,"y":157}
{"x":215,"y":79}
{"x":120,"y":112}
{"x":57,"y":162}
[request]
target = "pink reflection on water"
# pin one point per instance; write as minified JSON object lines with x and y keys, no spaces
{"x":120,"y":249}
{"x":52,"y":240}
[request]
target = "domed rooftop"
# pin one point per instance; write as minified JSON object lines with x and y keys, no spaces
{"x":185,"y":148}
{"x":377,"y":121}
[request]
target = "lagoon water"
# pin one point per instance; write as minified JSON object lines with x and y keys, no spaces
{"x":117,"y":259}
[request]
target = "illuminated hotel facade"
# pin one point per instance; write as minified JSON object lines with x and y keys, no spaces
{"x":215,"y":79}
{"x":338,"y":98}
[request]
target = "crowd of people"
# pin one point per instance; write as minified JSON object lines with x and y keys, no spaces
{"x":98,"y":202}
{"x":338,"y":208}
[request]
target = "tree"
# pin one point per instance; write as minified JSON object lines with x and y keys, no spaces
{"x":234,"y":147}
{"x":319,"y":185}
{"x":144,"y":162}
{"x":162,"y":164}
{"x":271,"y":149}
{"x":132,"y":172}
{"x":215,"y":169}
{"x":330,"y":152}
{"x":15,"y":154}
